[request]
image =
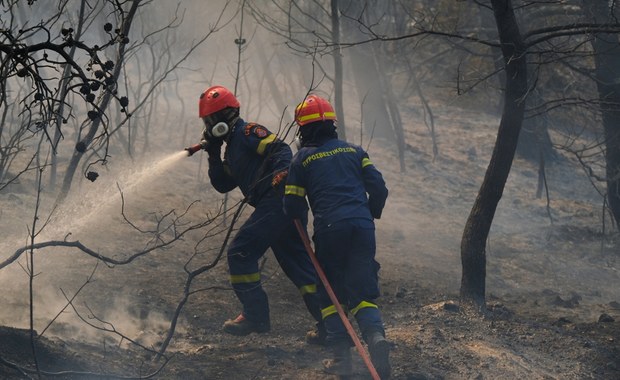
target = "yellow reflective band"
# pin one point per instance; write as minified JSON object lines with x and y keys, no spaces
{"x":362,"y":305}
{"x":263,"y":143}
{"x":308,"y":117}
{"x":244,"y":278}
{"x":294,"y":190}
{"x":328,"y":311}
{"x":366,"y":161}
{"x":316,"y":116}
{"x":307,"y":289}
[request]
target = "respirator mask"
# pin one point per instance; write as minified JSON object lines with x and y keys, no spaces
{"x":215,"y":127}
{"x":219,"y":124}
{"x":217,"y":131}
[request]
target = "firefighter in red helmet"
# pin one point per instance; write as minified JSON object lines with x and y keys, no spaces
{"x":346,"y":193}
{"x":256,"y":161}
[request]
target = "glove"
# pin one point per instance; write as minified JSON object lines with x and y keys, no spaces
{"x":214,"y":148}
{"x":195,"y":148}
{"x":375,"y":209}
{"x":278,"y":178}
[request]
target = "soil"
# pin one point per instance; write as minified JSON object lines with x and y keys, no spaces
{"x":553,"y":281}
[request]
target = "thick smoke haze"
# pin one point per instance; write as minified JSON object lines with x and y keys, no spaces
{"x":549,"y":247}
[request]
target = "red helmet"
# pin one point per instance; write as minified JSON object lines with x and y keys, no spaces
{"x":314,"y":108}
{"x":215,"y":99}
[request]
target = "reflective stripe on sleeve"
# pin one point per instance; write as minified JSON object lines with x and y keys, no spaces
{"x":366,"y":161}
{"x":244,"y":278}
{"x":264,"y":142}
{"x":294,"y":190}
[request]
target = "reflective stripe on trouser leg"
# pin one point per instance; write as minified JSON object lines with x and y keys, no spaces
{"x":311,"y":299}
{"x":248,"y":246}
{"x":252,"y":296}
{"x":295,"y":262}
{"x":368,"y":318}
{"x":245,"y":280}
{"x":336,"y":331}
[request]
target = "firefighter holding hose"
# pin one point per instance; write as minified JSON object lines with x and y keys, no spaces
{"x":256,"y":161}
{"x":346,"y":193}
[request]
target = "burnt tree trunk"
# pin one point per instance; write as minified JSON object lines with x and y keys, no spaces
{"x":61,"y":104}
{"x":476,"y":232}
{"x":607,"y":61}
{"x":393,"y":112}
{"x":338,"y":75}
{"x":534,"y":140}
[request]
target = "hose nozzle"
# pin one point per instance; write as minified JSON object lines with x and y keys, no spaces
{"x":195,"y":148}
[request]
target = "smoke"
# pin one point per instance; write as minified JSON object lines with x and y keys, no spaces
{"x":418,"y":236}
{"x":67,"y":278}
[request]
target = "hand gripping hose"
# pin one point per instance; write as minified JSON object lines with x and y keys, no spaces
{"x":334,"y":299}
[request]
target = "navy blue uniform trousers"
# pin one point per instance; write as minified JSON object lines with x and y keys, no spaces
{"x":346,"y":252}
{"x":268,"y":226}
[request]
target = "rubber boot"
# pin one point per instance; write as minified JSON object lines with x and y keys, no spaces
{"x":341,"y":364}
{"x":379,"y":349}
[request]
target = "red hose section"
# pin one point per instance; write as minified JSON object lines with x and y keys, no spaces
{"x":334,"y":299}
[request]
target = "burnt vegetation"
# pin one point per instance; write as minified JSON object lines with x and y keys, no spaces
{"x":459,"y":95}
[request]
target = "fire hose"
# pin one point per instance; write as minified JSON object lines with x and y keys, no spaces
{"x":334,"y":299}
{"x":195,"y":148}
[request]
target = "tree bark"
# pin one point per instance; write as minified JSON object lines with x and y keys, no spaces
{"x":390,"y":101}
{"x":606,"y":62}
{"x":338,"y":76}
{"x":63,"y":93}
{"x":534,"y":139}
{"x":476,"y":232}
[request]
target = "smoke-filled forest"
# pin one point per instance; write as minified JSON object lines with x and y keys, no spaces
{"x":495,"y":125}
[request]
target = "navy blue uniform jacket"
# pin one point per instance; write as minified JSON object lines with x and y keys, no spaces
{"x":253,"y":155}
{"x":340,"y":182}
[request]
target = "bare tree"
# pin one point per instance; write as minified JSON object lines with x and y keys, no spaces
{"x":338,"y":74}
{"x":96,"y":117}
{"x":478,"y":225}
{"x":315,"y":23}
{"x":546,"y":45}
{"x":369,"y":78}
{"x":32,"y":54}
{"x":607,"y":60}
{"x":42,"y":76}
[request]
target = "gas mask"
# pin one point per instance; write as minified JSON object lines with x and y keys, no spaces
{"x":217,"y":131}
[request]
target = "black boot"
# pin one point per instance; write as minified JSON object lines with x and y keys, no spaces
{"x":379,"y":349}
{"x":341,"y":364}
